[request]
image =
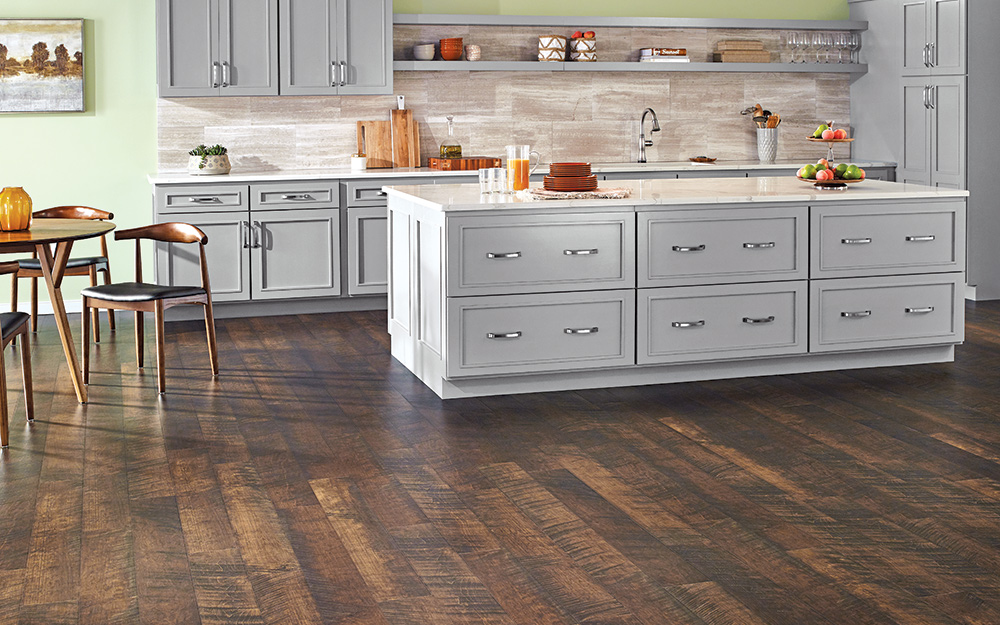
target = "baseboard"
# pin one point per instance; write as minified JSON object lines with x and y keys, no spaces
{"x":45,"y":308}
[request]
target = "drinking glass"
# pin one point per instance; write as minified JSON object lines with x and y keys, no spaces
{"x":519,"y":167}
{"x":492,"y":180}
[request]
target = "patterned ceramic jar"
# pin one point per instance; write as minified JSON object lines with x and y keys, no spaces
{"x":551,"y":48}
{"x":583,"y":50}
{"x":214,"y":164}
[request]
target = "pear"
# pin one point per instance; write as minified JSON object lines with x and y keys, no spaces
{"x":819,"y":131}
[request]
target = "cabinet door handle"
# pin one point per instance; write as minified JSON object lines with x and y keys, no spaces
{"x":927,"y":103}
{"x":343,"y":73}
{"x":580,"y":252}
{"x":926,"y":237}
{"x":297,"y":196}
{"x":758,"y":246}
{"x":499,"y":255}
{"x":856,"y":314}
{"x":580,"y":330}
{"x":863,"y":241}
{"x":225,"y":73}
{"x":927,"y":47}
{"x":257,"y":229}
{"x":753,"y":320}
{"x":334,"y":78}
{"x":688,"y":324}
{"x":381,"y":193}
{"x":215,"y":75}
{"x":245,"y":230}
{"x":919,"y":311}
{"x":692,"y":248}
{"x":503,"y":335}
{"x":206,"y":199}
{"x":932,"y":55}
{"x":932,"y":91}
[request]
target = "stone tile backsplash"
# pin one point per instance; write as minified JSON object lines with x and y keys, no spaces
{"x":563,"y":115}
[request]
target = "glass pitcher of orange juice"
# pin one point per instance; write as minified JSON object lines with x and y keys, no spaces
{"x":519,"y":166}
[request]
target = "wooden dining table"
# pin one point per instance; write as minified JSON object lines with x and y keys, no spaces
{"x":43,"y":235}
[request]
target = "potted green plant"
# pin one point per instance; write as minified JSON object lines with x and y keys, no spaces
{"x":204,"y":160}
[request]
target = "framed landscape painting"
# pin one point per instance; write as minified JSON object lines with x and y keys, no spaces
{"x":41,"y":66}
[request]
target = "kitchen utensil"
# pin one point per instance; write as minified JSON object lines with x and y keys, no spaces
{"x":518,"y":166}
{"x":375,"y":142}
{"x":463,"y":164}
{"x":405,"y":139}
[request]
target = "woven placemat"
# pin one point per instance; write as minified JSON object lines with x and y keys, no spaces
{"x":597,"y":194}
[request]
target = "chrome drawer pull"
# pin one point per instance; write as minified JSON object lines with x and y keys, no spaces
{"x":205,"y":200}
{"x":503,"y":254}
{"x":856,"y":241}
{"x":503,"y":335}
{"x":696,"y":248}
{"x":753,"y":320}
{"x":857,"y":314}
{"x":919,"y":311}
{"x":580,"y":252}
{"x":928,"y":237}
{"x":758,"y":246}
{"x":688,"y":324}
{"x":580,"y":330}
{"x":297,"y":196}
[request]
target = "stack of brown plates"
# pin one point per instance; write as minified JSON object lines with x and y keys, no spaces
{"x":570,"y":177}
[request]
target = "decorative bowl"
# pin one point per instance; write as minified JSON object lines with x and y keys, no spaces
{"x":424,"y":52}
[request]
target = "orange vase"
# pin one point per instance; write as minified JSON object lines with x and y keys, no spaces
{"x":15,"y":209}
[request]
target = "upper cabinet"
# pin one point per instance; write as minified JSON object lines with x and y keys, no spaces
{"x":336,"y":47}
{"x":934,"y":37}
{"x":217,"y":47}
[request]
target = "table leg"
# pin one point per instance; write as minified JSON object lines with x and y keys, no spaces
{"x":53,"y":269}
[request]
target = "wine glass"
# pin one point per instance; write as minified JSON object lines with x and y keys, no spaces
{"x":840,"y":41}
{"x":854,"y":45}
{"x":817,"y":45}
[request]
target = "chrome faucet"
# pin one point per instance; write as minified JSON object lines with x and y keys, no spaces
{"x":643,"y":141}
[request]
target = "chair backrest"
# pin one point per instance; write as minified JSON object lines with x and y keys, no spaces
{"x":10,"y":266}
{"x":172,"y":232}
{"x":72,"y":212}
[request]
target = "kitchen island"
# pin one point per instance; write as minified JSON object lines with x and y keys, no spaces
{"x":688,"y":279}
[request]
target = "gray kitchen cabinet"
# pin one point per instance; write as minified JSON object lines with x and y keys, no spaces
{"x":934,"y":37}
{"x":368,"y":254}
{"x":295,"y":253}
{"x":227,"y":253}
{"x":932,"y":131}
{"x":336,"y":47}
{"x":217,"y":47}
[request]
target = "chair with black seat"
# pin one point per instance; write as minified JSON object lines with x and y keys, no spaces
{"x":83,"y":266}
{"x":14,"y":324}
{"x":143,"y":297}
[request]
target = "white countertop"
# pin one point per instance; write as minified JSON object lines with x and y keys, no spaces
{"x":344,"y":173}
{"x":683,"y":192}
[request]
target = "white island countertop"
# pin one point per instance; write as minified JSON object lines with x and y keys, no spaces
{"x":684,"y":192}
{"x":344,"y":173}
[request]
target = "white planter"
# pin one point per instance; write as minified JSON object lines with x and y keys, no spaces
{"x":214,"y":165}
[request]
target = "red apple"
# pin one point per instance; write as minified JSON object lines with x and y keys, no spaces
{"x":589,"y":34}
{"x":840,"y":133}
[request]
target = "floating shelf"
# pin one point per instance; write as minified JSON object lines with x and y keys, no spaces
{"x":556,"y":66}
{"x":623,"y":22}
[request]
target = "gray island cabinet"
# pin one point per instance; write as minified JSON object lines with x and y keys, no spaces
{"x":685,"y":280}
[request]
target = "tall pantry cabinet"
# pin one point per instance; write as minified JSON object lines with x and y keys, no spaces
{"x":928,"y":102}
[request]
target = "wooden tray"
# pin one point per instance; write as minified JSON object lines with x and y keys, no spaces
{"x":462,"y":164}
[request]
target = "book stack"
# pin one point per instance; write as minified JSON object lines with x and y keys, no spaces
{"x":663,"y":55}
{"x":741,"y":51}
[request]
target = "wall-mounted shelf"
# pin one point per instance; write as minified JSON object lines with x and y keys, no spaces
{"x":555,"y":66}
{"x":573,"y":22}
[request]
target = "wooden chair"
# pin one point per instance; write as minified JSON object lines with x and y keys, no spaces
{"x":143,"y":297}
{"x":84,"y":266}
{"x":14,"y":324}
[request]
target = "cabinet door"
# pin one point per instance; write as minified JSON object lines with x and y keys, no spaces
{"x":948,"y":132}
{"x":187,"y":48}
{"x":915,"y":49}
{"x":364,"y":46}
{"x":947,"y":28}
{"x":296,"y":253}
{"x":308,"y":48}
{"x":915,"y":165}
{"x":248,"y":46}
{"x":367,"y":251}
{"x":227,"y":253}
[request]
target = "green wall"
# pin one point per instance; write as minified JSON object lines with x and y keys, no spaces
{"x":773,"y":9}
{"x":100,"y":157}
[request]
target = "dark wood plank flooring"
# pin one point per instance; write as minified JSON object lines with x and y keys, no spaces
{"x":316,"y":481}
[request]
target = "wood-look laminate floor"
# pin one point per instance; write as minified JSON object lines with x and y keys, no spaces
{"x":318,"y":482}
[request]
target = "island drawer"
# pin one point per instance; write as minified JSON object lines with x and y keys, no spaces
{"x":903,"y":238}
{"x":368,"y":191}
{"x":869,"y":313}
{"x":683,"y":324}
{"x":215,"y":198}
{"x":722,"y":246}
{"x":309,"y":194}
{"x":519,"y":334}
{"x":540,"y":253}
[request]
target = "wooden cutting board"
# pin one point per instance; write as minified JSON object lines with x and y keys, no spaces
{"x":405,"y":139}
{"x":462,"y":164}
{"x":377,"y":144}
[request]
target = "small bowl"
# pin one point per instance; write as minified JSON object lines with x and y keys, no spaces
{"x":473,"y":52}
{"x":454,"y":41}
{"x":451,"y":55}
{"x":424,"y":52}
